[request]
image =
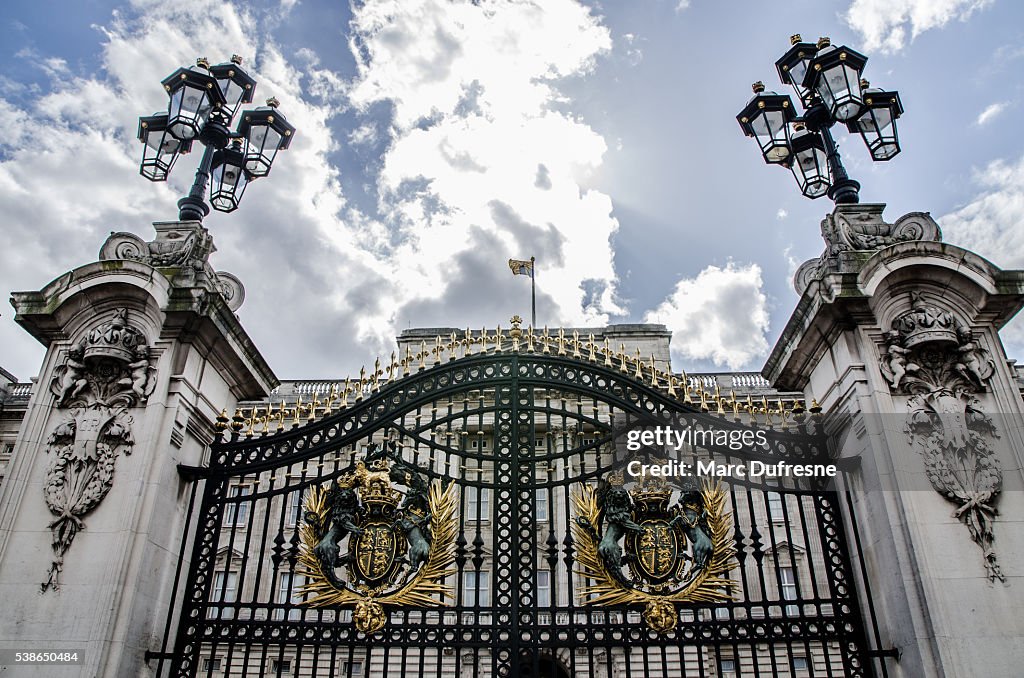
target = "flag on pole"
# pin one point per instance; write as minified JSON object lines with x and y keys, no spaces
{"x":521,"y":266}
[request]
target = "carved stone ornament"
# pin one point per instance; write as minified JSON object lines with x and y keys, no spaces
{"x":105,"y":374}
{"x":674,"y":553}
{"x":933,"y":357}
{"x":183,"y":249}
{"x":860,"y":228}
{"x":399,"y":550}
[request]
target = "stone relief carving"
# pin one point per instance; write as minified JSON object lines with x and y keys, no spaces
{"x":185,"y":246}
{"x":860,"y":228}
{"x":105,"y":374}
{"x":932,"y":357}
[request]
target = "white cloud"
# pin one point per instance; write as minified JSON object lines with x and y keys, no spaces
{"x":990,"y":112}
{"x":884,"y":23}
{"x":720,"y":315}
{"x":474,"y":96}
{"x":781,"y":214}
{"x":990,"y":223}
{"x":473,"y":87}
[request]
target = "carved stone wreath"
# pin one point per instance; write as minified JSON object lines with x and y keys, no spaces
{"x":105,"y":374}
{"x":934,"y":358}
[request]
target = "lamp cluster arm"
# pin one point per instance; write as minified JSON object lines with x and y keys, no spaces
{"x":203,"y":102}
{"x":827,"y":81}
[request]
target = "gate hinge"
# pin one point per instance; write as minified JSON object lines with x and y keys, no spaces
{"x":157,"y":655}
{"x":892,"y":652}
{"x":193,"y":472}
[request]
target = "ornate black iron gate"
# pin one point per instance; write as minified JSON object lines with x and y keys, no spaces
{"x":518,"y":434}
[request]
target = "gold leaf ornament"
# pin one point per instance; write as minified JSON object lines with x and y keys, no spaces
{"x":709,"y":584}
{"x":425,"y":588}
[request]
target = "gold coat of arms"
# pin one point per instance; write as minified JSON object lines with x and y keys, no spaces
{"x":641,"y":549}
{"x":394,"y":547}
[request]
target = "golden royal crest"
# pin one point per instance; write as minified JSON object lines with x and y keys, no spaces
{"x":673,"y":553}
{"x":399,"y":545}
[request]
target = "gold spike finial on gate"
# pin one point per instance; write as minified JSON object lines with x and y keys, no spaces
{"x":344,"y":394}
{"x":654,"y":373}
{"x":280,"y":417}
{"x":298,"y":408}
{"x":453,"y":346}
{"x":592,"y":348}
{"x":546,"y":340}
{"x":672,"y":386}
{"x":360,"y":383}
{"x":622,"y":359}
{"x":561,"y":341}
{"x":438,"y":349}
{"x":735,"y":405}
{"x":530,"y":348}
{"x":607,"y":353}
{"x":515,"y":333}
{"x":499,"y":338}
{"x":222,"y":420}
{"x":375,"y":381}
{"x":685,"y":383}
{"x":468,"y":341}
{"x":638,"y":374}
{"x":576,"y":345}
{"x":392,"y":368}
{"x":423,"y":354}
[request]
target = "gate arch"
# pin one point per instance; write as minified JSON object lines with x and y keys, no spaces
{"x":517,"y":432}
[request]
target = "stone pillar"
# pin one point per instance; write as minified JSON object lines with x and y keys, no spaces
{"x":897,"y":335}
{"x":143,"y":350}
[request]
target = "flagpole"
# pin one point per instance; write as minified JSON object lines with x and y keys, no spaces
{"x":533,"y":290}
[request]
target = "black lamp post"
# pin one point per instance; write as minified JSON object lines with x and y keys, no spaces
{"x":203,"y":101}
{"x":828,"y":82}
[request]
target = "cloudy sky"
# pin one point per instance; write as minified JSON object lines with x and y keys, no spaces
{"x":438,"y":138}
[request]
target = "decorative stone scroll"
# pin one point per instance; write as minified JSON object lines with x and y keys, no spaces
{"x":932,"y":356}
{"x":182,"y":247}
{"x":860,"y":228}
{"x":105,"y":374}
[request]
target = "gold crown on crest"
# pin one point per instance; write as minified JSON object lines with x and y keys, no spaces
{"x":652,"y":493}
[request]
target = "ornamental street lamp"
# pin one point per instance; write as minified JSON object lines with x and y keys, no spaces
{"x":203,"y":101}
{"x":827,"y":81}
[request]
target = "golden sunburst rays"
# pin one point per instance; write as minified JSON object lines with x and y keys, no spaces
{"x":709,"y":585}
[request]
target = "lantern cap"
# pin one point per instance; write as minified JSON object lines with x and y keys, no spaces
{"x":795,"y":38}
{"x":758,"y":87}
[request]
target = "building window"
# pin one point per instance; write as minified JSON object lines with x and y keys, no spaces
{"x":540,"y":504}
{"x":225,"y":587}
{"x":294,"y":508}
{"x":800,"y":664}
{"x":476,"y":588}
{"x":280,"y":667}
{"x":540,"y":443}
{"x":351,"y":669}
{"x":543,"y":588}
{"x":776,"y":511}
{"x":477,"y":503}
{"x":237,"y":513}
{"x":478,"y":443}
{"x":288,"y":593}
{"x":727,"y":668}
{"x":787,"y":577}
{"x":211,"y":664}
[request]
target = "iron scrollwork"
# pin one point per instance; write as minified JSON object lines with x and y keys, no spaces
{"x":673,"y":554}
{"x":399,"y":548}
